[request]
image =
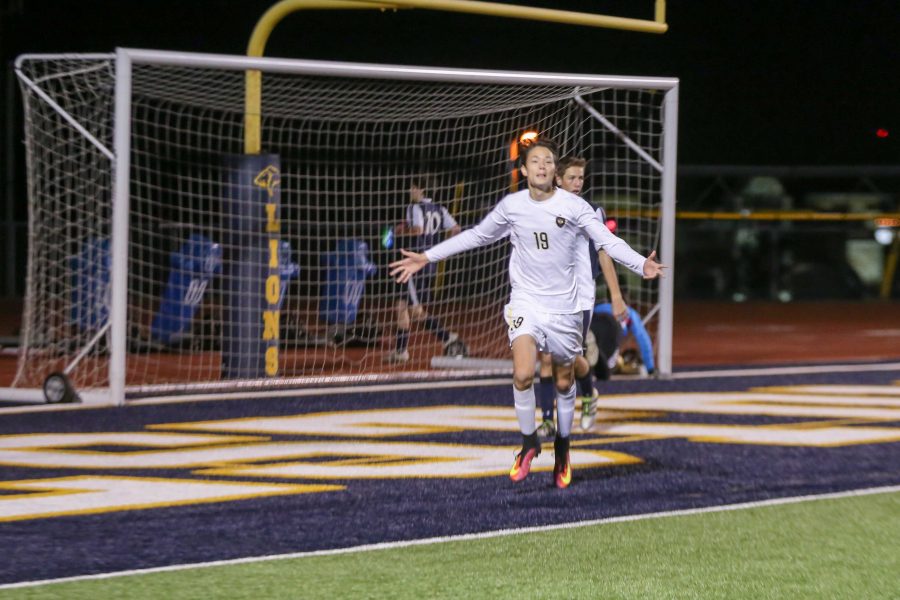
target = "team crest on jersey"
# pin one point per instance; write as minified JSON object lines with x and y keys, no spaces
{"x":560,"y":222}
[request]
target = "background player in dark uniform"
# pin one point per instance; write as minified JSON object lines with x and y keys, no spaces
{"x":424,"y":227}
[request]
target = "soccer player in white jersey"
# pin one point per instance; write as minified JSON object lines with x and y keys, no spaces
{"x":570,"y":177}
{"x":543,"y":224}
{"x":425,"y":222}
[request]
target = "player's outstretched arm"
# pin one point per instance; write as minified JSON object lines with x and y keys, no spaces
{"x":653,"y":269}
{"x":619,"y":308}
{"x":406,"y":267}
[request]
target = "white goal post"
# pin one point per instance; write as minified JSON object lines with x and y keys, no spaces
{"x":164,"y":260}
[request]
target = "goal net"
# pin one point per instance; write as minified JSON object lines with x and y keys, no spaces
{"x":210,"y":264}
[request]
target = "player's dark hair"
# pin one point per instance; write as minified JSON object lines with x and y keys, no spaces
{"x":525,"y":150}
{"x":425,"y":182}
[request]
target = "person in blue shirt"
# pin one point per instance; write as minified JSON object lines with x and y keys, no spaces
{"x":633,"y":325}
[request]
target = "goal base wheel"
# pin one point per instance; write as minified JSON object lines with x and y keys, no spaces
{"x":59,"y":390}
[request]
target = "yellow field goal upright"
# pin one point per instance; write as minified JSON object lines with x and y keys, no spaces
{"x":272,"y":17}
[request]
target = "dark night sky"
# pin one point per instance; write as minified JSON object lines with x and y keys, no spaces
{"x":787,"y":82}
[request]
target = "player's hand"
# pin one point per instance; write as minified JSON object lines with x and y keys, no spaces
{"x":653,"y":269}
{"x":403,"y":269}
{"x":620,"y":309}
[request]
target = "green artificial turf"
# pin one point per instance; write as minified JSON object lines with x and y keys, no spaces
{"x":835,"y":548}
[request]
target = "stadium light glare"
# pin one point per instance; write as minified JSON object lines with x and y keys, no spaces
{"x":884,"y":236}
{"x":529,"y":137}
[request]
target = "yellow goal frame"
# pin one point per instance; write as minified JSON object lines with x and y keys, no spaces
{"x":278,"y":11}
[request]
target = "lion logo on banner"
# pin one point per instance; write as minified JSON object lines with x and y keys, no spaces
{"x":268,"y":179}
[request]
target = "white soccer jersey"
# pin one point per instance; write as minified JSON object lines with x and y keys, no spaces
{"x":544,"y":235}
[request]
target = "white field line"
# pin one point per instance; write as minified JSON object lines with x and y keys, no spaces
{"x":326,"y":391}
{"x":464,"y":538}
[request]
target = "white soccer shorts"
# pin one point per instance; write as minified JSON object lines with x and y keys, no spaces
{"x":559,"y":335}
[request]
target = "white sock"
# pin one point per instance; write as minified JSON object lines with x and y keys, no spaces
{"x":525,"y":405}
{"x":565,"y":411}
